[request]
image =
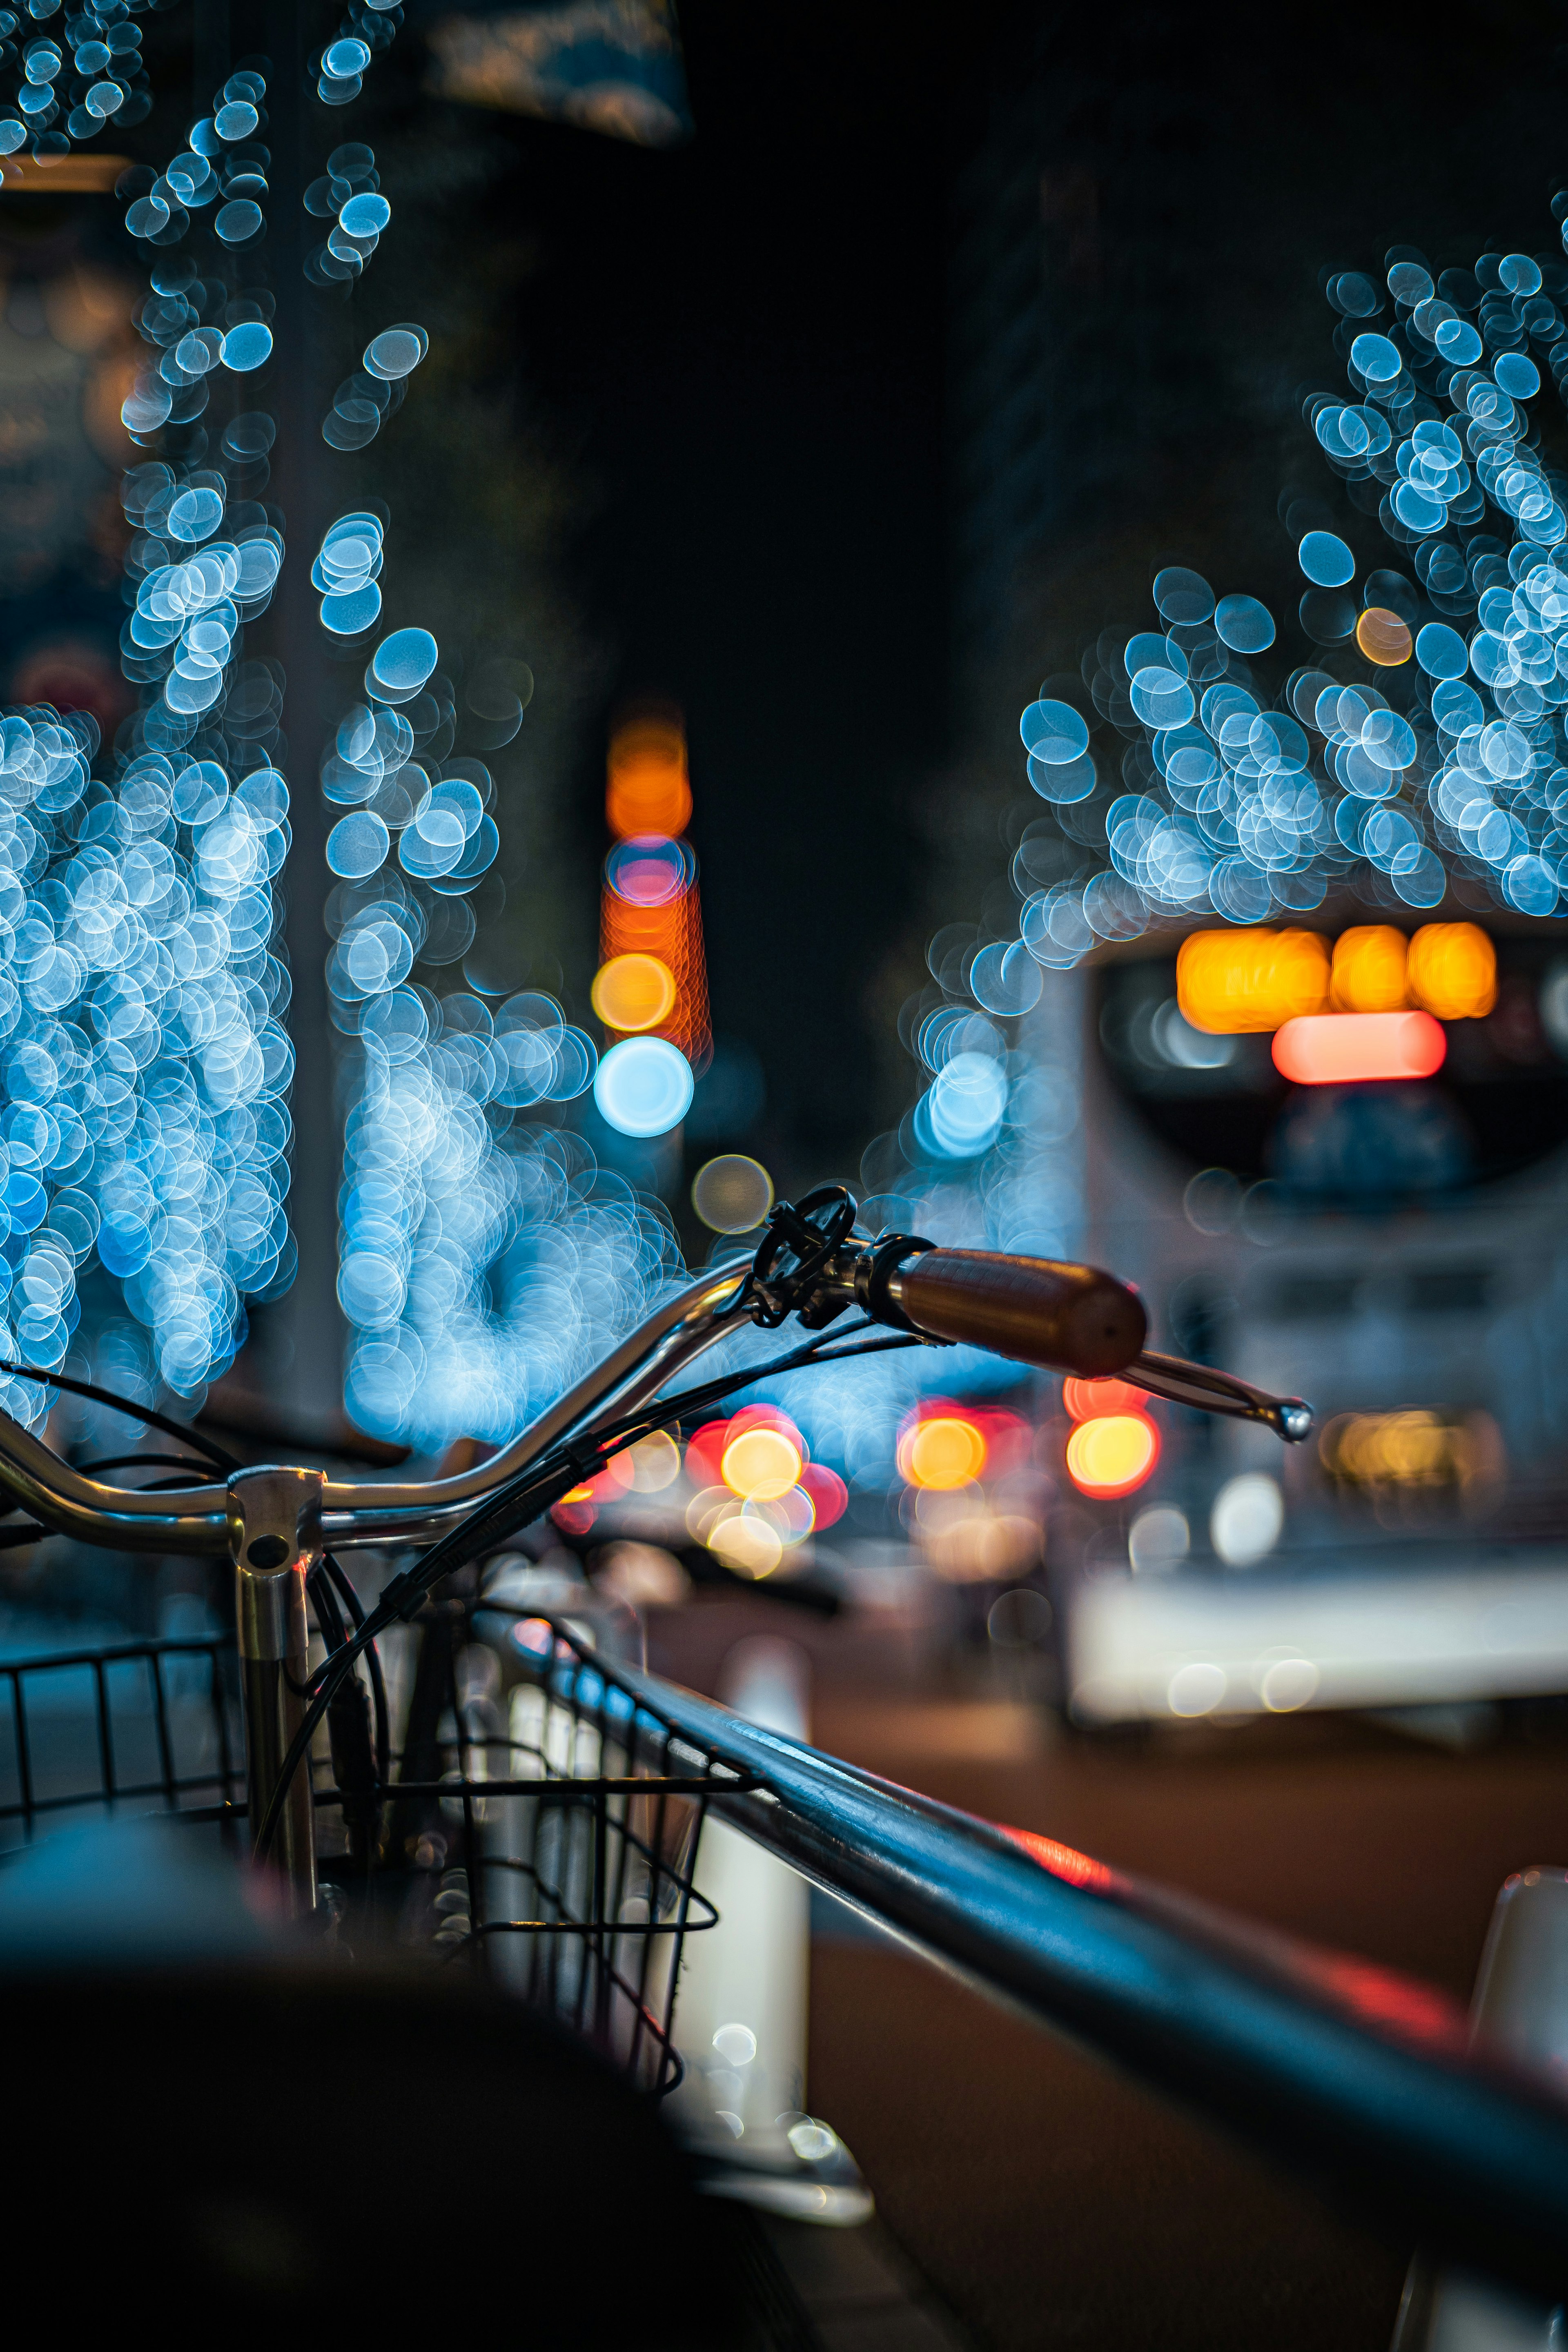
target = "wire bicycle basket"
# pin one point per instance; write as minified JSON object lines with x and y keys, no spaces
{"x":547,"y":1835}
{"x":131,"y":1726}
{"x":541,"y":1825}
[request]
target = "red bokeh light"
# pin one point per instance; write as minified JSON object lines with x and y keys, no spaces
{"x":829,"y":1496}
{"x":1092,"y":1400}
{"x":1338,"y":1048}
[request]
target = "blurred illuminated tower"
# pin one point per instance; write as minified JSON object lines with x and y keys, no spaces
{"x":652,"y":980}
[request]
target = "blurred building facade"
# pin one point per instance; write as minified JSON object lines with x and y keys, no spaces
{"x":1130,"y":299}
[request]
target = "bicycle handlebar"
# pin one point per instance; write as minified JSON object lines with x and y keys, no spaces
{"x":1066,"y":1318}
{"x":1063,"y":1319}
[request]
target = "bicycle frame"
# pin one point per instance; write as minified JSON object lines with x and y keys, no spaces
{"x":276,"y":1523}
{"x":1287,"y":2046}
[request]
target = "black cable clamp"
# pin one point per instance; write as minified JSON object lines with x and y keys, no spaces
{"x":886,"y":1255}
{"x":794,"y":1253}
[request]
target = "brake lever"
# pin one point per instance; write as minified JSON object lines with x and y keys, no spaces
{"x":1207,"y":1391}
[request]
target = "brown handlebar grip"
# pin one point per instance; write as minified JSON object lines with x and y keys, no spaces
{"x":1066,"y":1318}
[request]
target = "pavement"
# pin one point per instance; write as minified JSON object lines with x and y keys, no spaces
{"x":1029,"y":2200}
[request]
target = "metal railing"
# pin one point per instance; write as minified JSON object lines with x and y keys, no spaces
{"x":1361,"y":2080}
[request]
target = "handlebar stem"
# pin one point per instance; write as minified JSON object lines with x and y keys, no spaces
{"x":274,"y":1542}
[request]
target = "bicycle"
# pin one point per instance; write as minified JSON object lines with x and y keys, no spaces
{"x":579,"y":1853}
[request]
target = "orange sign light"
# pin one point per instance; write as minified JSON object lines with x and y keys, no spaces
{"x":1230,"y":981}
{"x":1368,"y":974}
{"x":1340,"y":1047}
{"x":1452,"y":971}
{"x":1234,"y":981}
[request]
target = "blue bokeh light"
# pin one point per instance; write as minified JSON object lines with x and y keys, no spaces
{"x":247,"y":346}
{"x":1326,"y":559}
{"x":402,"y":662}
{"x":643,"y":1086}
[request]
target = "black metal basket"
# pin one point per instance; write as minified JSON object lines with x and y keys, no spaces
{"x":539,"y":1823}
{"x":131,"y":1727}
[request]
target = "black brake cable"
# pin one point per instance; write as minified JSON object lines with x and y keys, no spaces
{"x":522,"y":1498}
{"x":142,"y":1462}
{"x":342,"y":1585}
{"x":216,"y":1455}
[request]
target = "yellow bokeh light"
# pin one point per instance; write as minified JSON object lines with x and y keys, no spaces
{"x":761,"y":1465}
{"x":632,"y":992}
{"x":751,"y":1546}
{"x":942,"y":1454}
{"x":1229,"y":982}
{"x":1384,"y":637}
{"x":1413,"y":1447}
{"x":707,"y":1507}
{"x":1369,"y":970}
{"x":1453,"y":971}
{"x":1114,"y":1455}
{"x":654,"y":1461}
{"x":732,"y":1194}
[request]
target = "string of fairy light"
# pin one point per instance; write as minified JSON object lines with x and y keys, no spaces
{"x":1421,"y":748}
{"x":146,"y":1066}
{"x":1417,"y":753}
{"x":485,"y":1259}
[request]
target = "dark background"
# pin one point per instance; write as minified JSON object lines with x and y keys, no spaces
{"x":847,"y":422}
{"x":744,"y":341}
{"x":765,"y":354}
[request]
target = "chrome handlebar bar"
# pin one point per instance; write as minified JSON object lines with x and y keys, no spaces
{"x":200,"y":1519}
{"x":196,"y":1519}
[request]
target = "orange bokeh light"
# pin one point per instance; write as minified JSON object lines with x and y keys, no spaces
{"x":1236,"y":980}
{"x":1343,"y":1048}
{"x":633,"y":993}
{"x":1112,"y":1454}
{"x":1452,"y":971}
{"x":667,"y":931}
{"x":1092,"y":1400}
{"x":648,"y":790}
{"x":1368,"y":973}
{"x":761,"y":1463}
{"x":942,"y":1451}
{"x":1384,"y":637}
